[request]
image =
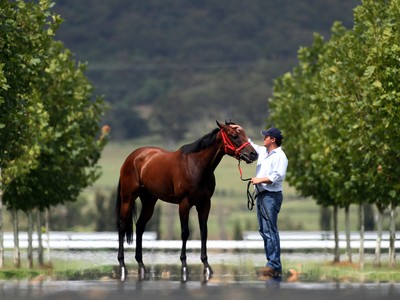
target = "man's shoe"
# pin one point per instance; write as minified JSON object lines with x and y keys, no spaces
{"x":269,"y":272}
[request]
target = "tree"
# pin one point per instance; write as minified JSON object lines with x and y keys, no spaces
{"x":67,"y":161}
{"x":352,"y":112}
{"x":363,"y":85}
{"x":296,"y":108}
{"x":26,"y":31}
{"x":377,"y":25}
{"x":68,"y":144}
{"x":336,"y":136}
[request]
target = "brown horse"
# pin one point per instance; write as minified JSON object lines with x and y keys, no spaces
{"x":184,"y":177}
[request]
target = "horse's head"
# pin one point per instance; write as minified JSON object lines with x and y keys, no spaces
{"x":236,"y":143}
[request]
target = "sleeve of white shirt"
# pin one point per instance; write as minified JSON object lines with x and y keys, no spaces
{"x":279,"y":171}
{"x":255,"y":146}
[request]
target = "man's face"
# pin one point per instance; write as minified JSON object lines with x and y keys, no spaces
{"x":268,"y":140}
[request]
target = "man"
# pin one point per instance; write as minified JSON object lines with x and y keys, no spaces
{"x":270,"y":173}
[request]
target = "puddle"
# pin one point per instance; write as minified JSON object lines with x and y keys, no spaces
{"x":234,"y":278}
{"x":193,"y":289}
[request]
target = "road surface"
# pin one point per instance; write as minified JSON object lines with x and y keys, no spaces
{"x":214,"y":289}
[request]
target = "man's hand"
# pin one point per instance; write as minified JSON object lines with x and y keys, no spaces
{"x":256,"y":180}
{"x":237,"y":127}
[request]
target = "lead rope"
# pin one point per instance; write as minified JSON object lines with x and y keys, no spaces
{"x":251,"y":196}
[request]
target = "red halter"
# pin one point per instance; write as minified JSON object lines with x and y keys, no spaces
{"x":229,"y":145}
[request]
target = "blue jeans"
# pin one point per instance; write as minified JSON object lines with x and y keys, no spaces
{"x":268,"y":207}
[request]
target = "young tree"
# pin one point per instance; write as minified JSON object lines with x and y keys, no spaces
{"x":363,"y":81}
{"x":68,"y":151}
{"x":26,"y":31}
{"x":296,"y":108}
{"x":68,"y":160}
{"x":350,"y":114}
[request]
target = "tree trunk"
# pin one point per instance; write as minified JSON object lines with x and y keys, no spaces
{"x":379,"y":236}
{"x":1,"y":226}
{"x":325,"y":217}
{"x":30,"y":232}
{"x":39,"y":237}
{"x":16,"y":253}
{"x":392,"y":233}
{"x":347,"y":225}
{"x":336,"y":257}
{"x":361,"y":215}
{"x":47,"y":221}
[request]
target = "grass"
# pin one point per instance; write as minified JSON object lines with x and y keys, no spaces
{"x":347,"y":272}
{"x":229,"y":214}
{"x":304,"y":271}
{"x":229,"y":211}
{"x":229,"y":203}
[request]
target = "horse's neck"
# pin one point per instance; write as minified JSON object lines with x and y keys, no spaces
{"x":211,"y":157}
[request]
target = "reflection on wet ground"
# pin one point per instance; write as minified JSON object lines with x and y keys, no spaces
{"x":214,"y":289}
{"x":163,"y":280}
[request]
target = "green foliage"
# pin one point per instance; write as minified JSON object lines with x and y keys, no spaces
{"x":295,"y":109}
{"x":26,"y":32}
{"x":55,"y":106}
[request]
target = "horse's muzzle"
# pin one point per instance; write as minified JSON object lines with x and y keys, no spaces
{"x":249,"y":158}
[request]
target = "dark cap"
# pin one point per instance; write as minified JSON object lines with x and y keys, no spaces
{"x":274,"y":132}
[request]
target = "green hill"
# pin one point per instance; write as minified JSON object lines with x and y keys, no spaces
{"x":164,"y":64}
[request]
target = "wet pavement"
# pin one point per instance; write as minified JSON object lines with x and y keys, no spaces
{"x":163,"y":281}
{"x":214,"y":289}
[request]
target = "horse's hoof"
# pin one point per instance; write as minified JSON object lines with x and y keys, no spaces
{"x":184,"y":274}
{"x":207,"y":273}
{"x":142,"y":273}
{"x":123,"y":274}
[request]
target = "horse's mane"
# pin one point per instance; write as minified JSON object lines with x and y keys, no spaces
{"x":201,"y":143}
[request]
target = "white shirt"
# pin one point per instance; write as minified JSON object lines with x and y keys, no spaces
{"x":272,"y":165}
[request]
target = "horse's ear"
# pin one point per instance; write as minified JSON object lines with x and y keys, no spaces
{"x":219,"y":124}
{"x":230,"y":122}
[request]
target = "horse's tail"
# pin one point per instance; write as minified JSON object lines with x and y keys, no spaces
{"x":127,"y":224}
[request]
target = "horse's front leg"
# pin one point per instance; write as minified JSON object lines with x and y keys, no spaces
{"x":203,"y":212}
{"x":184,"y":210}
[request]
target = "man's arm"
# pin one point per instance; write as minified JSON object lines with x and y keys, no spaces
{"x":256,"y":180}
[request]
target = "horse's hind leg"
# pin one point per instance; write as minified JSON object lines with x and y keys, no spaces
{"x":184,"y":210}
{"x":125,"y":227}
{"x":124,"y":213}
{"x":146,"y":213}
{"x":121,"y":258}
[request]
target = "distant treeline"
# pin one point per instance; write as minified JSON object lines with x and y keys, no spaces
{"x":164,"y":64}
